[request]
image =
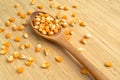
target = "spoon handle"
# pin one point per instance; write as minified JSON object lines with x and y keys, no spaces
{"x":96,"y":73}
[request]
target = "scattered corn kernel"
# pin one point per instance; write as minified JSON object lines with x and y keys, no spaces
{"x":72,"y":23}
{"x":2,"y":29}
{"x":16,"y":5}
{"x":20,"y":69}
{"x":83,"y":41}
{"x":31,"y":59}
{"x":28,"y":63}
{"x":59,"y":58}
{"x":20,"y":28}
{"x":8,"y":23}
{"x":80,"y":49}
{"x":60,"y":7}
{"x":27,"y":45}
{"x":8,"y":35}
{"x":4,"y":51}
{"x":10,"y":59}
{"x":74,"y":14}
{"x":16,"y":54}
{"x":25,"y":35}
{"x":22,"y":46}
{"x":45,"y":65}
{"x":17,"y":39}
{"x":84,"y":71}
{"x":65,"y":17}
{"x":7,"y":44}
{"x":52,"y":5}
{"x":12,"y":19}
{"x":25,"y":23}
{"x":83,"y":24}
{"x":108,"y":64}
{"x":74,"y":6}
{"x":21,"y":57}
{"x":30,"y":12}
{"x":23,"y":16}
{"x":38,"y":48}
{"x":68,"y":37}
{"x":58,"y":16}
{"x":47,"y":51}
{"x":33,"y":2}
{"x":66,"y":8}
{"x":87,"y":36}
{"x":20,"y":13}
{"x":40,"y":6}
{"x":14,"y":28}
{"x":4,"y":47}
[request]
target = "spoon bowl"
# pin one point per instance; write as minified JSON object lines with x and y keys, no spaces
{"x":60,"y":39}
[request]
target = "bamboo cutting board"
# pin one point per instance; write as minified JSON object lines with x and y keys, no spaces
{"x":102,"y":17}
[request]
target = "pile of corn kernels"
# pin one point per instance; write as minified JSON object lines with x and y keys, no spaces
{"x":47,"y":25}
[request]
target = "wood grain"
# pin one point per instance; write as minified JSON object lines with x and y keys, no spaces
{"x":103,"y":18}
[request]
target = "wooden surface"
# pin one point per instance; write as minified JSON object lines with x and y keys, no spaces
{"x":103,"y":18}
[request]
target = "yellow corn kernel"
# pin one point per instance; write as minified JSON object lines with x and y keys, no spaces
{"x":8,"y":35}
{"x":87,"y":36}
{"x":10,"y":59}
{"x":20,"y":28}
{"x":28,"y":63}
{"x":58,"y":16}
{"x":74,"y":14}
{"x":108,"y":64}
{"x":31,"y":59}
{"x":38,"y":48}
{"x":47,"y":51}
{"x":7,"y":44}
{"x":16,"y":55}
{"x":27,"y":45}
{"x":60,"y":7}
{"x":30,"y":12}
{"x":74,"y":6}
{"x":83,"y":24}
{"x":83,"y":41}
{"x":12,"y":19}
{"x":66,"y":8}
{"x":25,"y":35}
{"x":58,"y":58}
{"x":25,"y":23}
{"x":4,"y":51}
{"x":2,"y":29}
{"x":20,"y":69}
{"x":21,"y":46}
{"x":68,"y":37}
{"x":65,"y":17}
{"x":8,"y":23}
{"x":20,"y":13}
{"x":4,"y":47}
{"x":23,"y":16}
{"x":14,"y":28}
{"x":45,"y":65}
{"x":33,"y":2}
{"x":84,"y":71}
{"x":72,"y":23}
{"x":40,"y":6}
{"x":16,"y":5}
{"x":80,"y":49}
{"x":52,"y":5}
{"x":21,"y":57}
{"x":17,"y":39}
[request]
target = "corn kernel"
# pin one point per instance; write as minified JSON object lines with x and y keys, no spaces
{"x":52,"y":5}
{"x":66,"y":8}
{"x":8,"y":35}
{"x":2,"y":29}
{"x":20,"y":28}
{"x":58,"y":58}
{"x":72,"y":23}
{"x":25,"y":35}
{"x":25,"y":23}
{"x":28,"y":63}
{"x":16,"y":54}
{"x":68,"y":37}
{"x":20,"y":69}
{"x":58,"y":16}
{"x":45,"y":65}
{"x":40,"y":6}
{"x":10,"y":59}
{"x":7,"y":44}
{"x":4,"y":47}
{"x":65,"y":17}
{"x":80,"y":49}
{"x":74,"y":14}
{"x":38,"y":48}
{"x":20,"y":13}
{"x":16,"y":5}
{"x":14,"y":28}
{"x":83,"y":24}
{"x":17,"y":39}
{"x":23,"y":16}
{"x":33,"y":2}
{"x":21,"y":57}
{"x":87,"y":36}
{"x":47,"y":51}
{"x":12,"y":19}
{"x":4,"y":51}
{"x":8,"y":23}
{"x":31,"y":59}
{"x":74,"y":6}
{"x":108,"y":64}
{"x":27,"y":45}
{"x":21,"y":46}
{"x":29,"y":12}
{"x":60,"y":7}
{"x":84,"y":71}
{"x":83,"y":41}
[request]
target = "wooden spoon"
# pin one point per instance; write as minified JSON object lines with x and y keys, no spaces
{"x":61,"y":40}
